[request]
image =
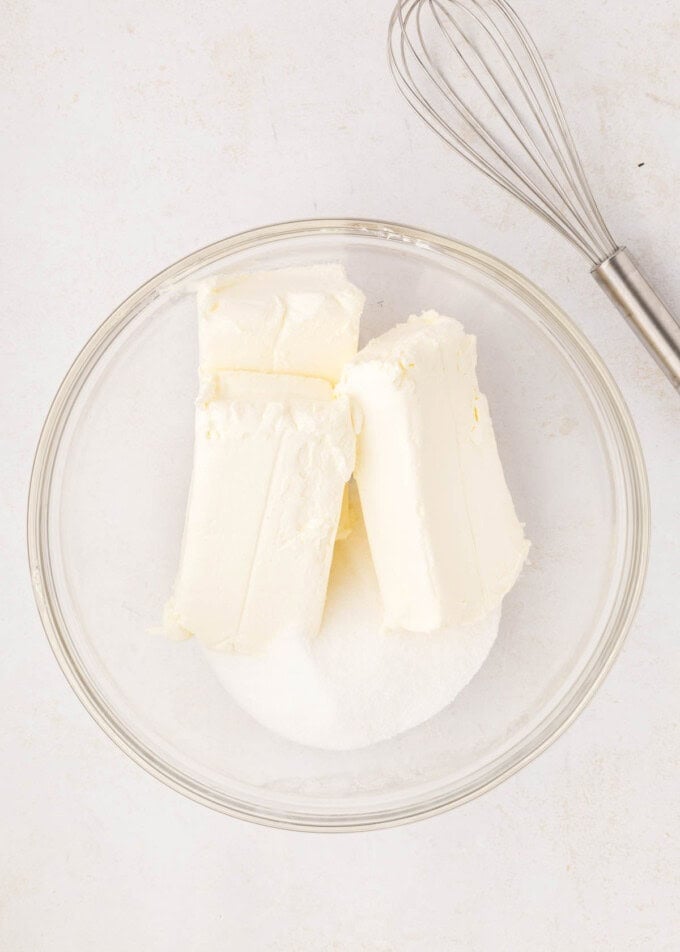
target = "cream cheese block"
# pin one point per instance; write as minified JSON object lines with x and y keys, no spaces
{"x":302,"y":320}
{"x":444,"y":537}
{"x":272,"y":455}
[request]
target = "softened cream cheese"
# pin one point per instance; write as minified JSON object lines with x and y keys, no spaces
{"x":444,"y":537}
{"x":272,"y":454}
{"x":302,"y":321}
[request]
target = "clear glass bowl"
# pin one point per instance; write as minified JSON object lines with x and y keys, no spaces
{"x":106,"y":509}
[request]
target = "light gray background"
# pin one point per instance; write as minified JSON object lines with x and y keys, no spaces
{"x":136,"y":132}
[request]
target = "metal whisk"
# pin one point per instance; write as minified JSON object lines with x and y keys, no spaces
{"x":471,"y":70}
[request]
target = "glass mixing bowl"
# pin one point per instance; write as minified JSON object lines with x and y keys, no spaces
{"x":106,"y":511}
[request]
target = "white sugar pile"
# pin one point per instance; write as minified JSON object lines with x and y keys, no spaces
{"x":355,"y":684}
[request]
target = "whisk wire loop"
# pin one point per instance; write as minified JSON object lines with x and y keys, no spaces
{"x":473,"y":73}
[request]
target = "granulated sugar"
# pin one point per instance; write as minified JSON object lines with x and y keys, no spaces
{"x":355,"y":684}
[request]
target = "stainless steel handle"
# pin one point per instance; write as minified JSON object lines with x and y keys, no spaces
{"x":643,"y":309}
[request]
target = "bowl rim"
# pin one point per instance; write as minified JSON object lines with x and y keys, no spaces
{"x":635,"y":486}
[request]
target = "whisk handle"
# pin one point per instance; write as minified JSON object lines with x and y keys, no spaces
{"x":643,"y":309}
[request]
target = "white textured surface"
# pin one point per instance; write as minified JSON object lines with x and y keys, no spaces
{"x":138,"y":132}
